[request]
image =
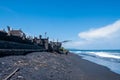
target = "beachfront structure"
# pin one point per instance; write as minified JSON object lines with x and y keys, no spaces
{"x":41,"y":41}
{"x":18,"y":33}
{"x":55,"y":46}
{"x":18,"y":36}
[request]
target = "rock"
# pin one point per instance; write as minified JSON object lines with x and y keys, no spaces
{"x":3,"y":63}
{"x":20,"y":77}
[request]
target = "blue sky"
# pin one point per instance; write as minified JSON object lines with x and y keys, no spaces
{"x":63,"y":20}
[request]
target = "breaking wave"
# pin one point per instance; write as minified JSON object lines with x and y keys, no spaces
{"x":108,"y":58}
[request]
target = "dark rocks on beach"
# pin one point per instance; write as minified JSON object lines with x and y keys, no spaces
{"x":50,"y":66}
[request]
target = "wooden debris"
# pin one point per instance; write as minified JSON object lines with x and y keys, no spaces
{"x":11,"y":74}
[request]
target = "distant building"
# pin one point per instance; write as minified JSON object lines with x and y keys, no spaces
{"x":45,"y":43}
{"x":41,"y":41}
{"x":18,"y":33}
{"x":20,"y":37}
{"x":55,"y":46}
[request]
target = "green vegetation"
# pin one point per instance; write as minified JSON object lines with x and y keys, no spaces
{"x":63,"y":50}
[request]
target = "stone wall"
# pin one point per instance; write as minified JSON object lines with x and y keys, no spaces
{"x":15,"y":45}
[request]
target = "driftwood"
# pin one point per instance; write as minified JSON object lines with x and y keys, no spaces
{"x":11,"y":74}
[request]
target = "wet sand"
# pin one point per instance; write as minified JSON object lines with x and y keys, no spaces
{"x":51,"y":66}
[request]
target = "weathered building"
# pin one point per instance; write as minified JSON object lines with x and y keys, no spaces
{"x":18,"y":36}
{"x":45,"y":43}
{"x":55,"y":46}
{"x":18,"y":33}
{"x":41,"y":41}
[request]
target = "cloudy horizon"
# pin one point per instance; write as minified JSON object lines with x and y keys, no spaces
{"x":106,"y":37}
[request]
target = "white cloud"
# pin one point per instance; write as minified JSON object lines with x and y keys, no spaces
{"x":107,"y":37}
{"x":104,"y":32}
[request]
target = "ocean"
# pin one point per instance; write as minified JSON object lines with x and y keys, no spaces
{"x":107,"y":58}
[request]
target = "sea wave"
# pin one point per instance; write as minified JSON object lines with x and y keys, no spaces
{"x":107,"y":55}
{"x":111,"y":56}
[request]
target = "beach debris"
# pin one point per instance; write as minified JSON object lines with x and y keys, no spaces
{"x":63,"y":50}
{"x":11,"y":74}
{"x":20,"y":77}
{"x":36,"y":68}
{"x":66,"y":41}
{"x":21,"y":63}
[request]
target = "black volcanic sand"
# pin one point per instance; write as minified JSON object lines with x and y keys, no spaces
{"x":51,"y":66}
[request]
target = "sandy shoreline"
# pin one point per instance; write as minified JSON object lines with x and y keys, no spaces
{"x":49,"y":66}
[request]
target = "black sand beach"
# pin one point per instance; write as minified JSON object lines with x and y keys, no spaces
{"x":51,"y":66}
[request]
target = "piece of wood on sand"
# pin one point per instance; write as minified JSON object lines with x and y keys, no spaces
{"x":11,"y":74}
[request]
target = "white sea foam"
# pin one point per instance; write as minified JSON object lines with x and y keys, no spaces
{"x":106,"y":54}
{"x":99,"y":54}
{"x":110,"y":59}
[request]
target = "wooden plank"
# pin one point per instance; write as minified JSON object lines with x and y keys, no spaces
{"x":11,"y":74}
